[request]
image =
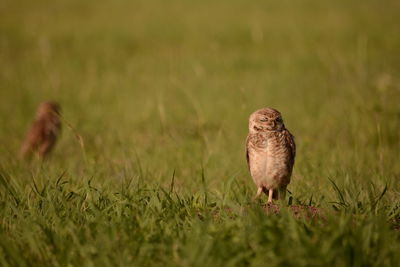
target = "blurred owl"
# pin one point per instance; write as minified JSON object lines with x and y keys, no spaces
{"x":43,"y":133}
{"x":270,"y":151}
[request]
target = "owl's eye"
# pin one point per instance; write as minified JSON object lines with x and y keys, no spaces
{"x":264,"y":120}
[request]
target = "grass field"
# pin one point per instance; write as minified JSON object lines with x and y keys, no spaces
{"x":150,"y":168}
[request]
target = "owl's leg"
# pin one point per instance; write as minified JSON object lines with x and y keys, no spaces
{"x":270,"y":194}
{"x":259,"y":191}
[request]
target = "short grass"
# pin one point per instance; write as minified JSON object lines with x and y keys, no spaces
{"x":150,"y":168}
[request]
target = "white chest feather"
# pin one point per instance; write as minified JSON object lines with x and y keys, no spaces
{"x":267,"y":165}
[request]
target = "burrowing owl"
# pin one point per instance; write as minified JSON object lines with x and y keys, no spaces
{"x":43,"y":133}
{"x":270,"y":151}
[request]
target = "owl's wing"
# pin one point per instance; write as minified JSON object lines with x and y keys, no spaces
{"x":33,"y":138}
{"x":247,"y":151}
{"x":292,"y":145}
{"x":52,"y":126}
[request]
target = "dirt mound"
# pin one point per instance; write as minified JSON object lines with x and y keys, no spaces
{"x":298,"y":211}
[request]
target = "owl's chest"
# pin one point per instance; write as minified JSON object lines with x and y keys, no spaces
{"x":259,"y":154}
{"x":268,"y":158}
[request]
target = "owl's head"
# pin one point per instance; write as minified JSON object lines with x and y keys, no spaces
{"x":266,"y":119}
{"x":48,"y":109}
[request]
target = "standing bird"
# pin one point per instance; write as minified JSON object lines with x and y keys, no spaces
{"x":270,"y":152}
{"x":44,"y":131}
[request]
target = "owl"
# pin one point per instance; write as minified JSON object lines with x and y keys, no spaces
{"x":270,"y":152}
{"x":43,"y":133}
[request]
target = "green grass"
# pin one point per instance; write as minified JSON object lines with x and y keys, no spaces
{"x":159,"y":93}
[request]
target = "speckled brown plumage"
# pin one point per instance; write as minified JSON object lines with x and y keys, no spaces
{"x":42,"y":135}
{"x":270,"y":152}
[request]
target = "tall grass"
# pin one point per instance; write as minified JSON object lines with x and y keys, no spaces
{"x":150,"y":167}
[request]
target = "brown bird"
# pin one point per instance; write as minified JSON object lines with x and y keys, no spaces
{"x":270,"y":151}
{"x":44,"y":131}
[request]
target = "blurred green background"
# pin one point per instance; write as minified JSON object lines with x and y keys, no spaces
{"x":149,"y":88}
